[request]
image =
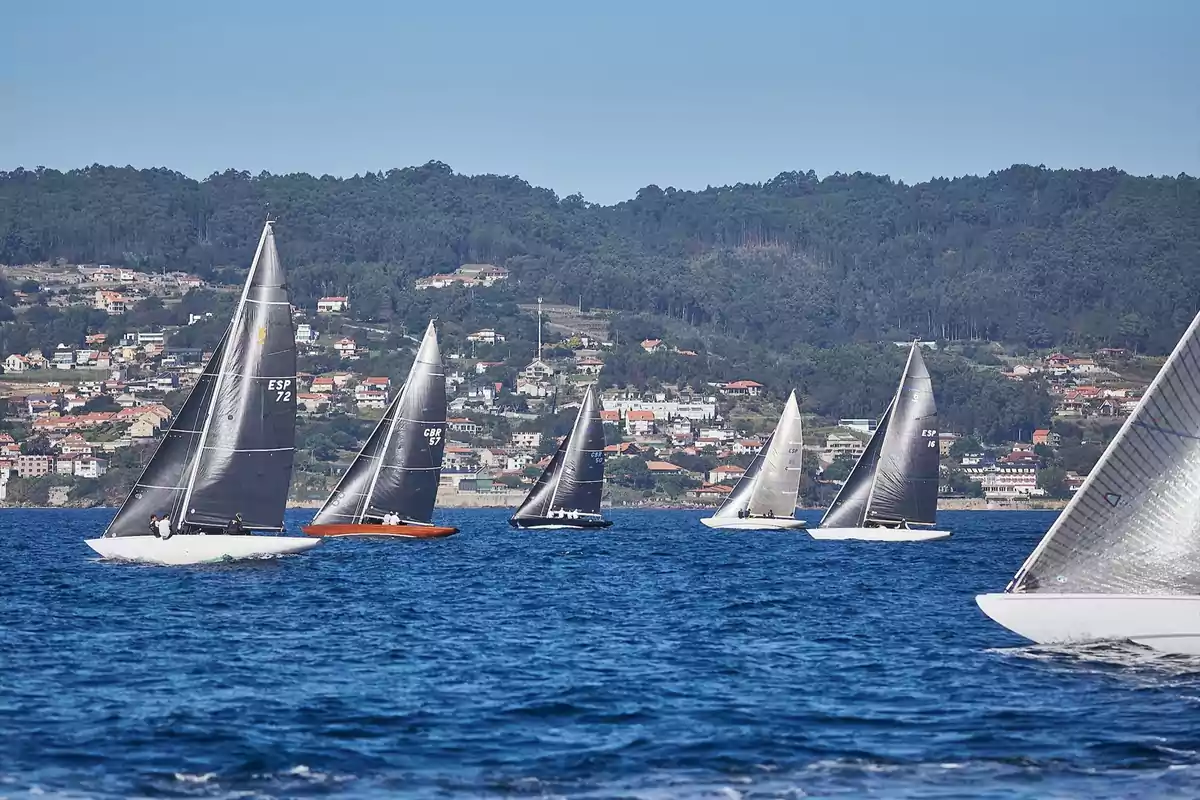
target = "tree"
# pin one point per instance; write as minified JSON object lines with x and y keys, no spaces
{"x":38,"y":446}
{"x":839,"y":470}
{"x":1053,"y":480}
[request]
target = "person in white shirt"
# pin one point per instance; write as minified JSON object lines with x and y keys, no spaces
{"x":164,"y":527}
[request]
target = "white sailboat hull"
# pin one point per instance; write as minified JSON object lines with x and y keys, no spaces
{"x":1170,"y":623}
{"x":183,"y":549}
{"x":754,"y":523}
{"x":879,"y":534}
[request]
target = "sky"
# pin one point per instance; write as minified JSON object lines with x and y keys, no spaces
{"x":603,"y":98}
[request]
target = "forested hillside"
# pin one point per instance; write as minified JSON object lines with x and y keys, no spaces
{"x":1026,"y":255}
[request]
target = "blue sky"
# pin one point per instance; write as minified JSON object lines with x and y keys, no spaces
{"x":604,"y":98}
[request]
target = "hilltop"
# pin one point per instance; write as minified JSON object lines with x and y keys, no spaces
{"x":1042,"y":258}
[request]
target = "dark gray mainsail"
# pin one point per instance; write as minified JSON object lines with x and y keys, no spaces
{"x":1134,"y":525}
{"x":229,"y":450}
{"x":247,"y":444}
{"x":896,"y":478}
{"x":574,"y":478}
{"x":398,"y":469}
{"x":772,"y":481}
{"x":906,"y":474}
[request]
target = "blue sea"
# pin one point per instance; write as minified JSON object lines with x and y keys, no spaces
{"x":657,"y":659}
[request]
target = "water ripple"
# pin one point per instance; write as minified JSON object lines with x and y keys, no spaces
{"x":658,"y":659}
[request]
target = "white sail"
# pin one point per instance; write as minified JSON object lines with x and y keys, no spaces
{"x":1134,"y":525}
{"x":773,"y":480}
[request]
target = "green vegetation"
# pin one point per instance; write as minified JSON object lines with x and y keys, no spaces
{"x":797,"y":282}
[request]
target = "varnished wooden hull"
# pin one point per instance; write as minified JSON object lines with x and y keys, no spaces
{"x":381,"y":531}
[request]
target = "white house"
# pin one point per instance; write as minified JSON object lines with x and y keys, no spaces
{"x":305,"y":334}
{"x":527,"y":440}
{"x":90,"y":467}
{"x":332,"y":305}
{"x":743,"y":388}
{"x":485,"y":336}
{"x":16,"y":363}
{"x":346,"y":349}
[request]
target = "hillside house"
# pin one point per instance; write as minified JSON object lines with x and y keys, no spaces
{"x":485,"y":336}
{"x":711,"y":492}
{"x":111,"y":303}
{"x":537,"y":370}
{"x":34,"y":466}
{"x":533,"y":388}
{"x":346,"y":349}
{"x":742,"y":389}
{"x":16,"y":363}
{"x":945,"y":442}
{"x":463,"y":425}
{"x":639,"y":423}
{"x":746,"y":447}
{"x":305,"y":335}
{"x":664,"y":468}
{"x":1047,"y":437}
{"x":74,"y":445}
{"x":310,"y":403}
{"x":527,"y":440}
{"x":484,"y":274}
{"x":323,"y":384}
{"x":726,"y":473}
{"x":842,"y":445}
{"x":621,"y":450}
{"x":652,"y":345}
{"x":370,"y":398}
{"x":589,"y":366}
{"x":90,"y":467}
{"x":332,"y":305}
{"x":1008,"y":482}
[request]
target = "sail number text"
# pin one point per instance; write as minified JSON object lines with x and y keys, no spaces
{"x":282,"y":387}
{"x":433,"y":436}
{"x":932,"y":436}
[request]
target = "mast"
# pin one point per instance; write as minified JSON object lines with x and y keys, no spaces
{"x":223,"y":369}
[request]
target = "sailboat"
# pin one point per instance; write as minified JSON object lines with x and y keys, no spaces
{"x":398,"y":468}
{"x":765,"y":497}
{"x":567,"y":495}
{"x":894,"y":484}
{"x":229,"y":450}
{"x":1122,"y":562}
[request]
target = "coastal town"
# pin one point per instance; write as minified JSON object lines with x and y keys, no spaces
{"x":84,"y":408}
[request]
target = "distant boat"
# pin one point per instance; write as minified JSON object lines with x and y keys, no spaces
{"x":765,"y":497}
{"x":398,"y":469}
{"x":894,"y":484}
{"x":567,"y":495}
{"x":230,"y":449}
{"x":1122,"y":562}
